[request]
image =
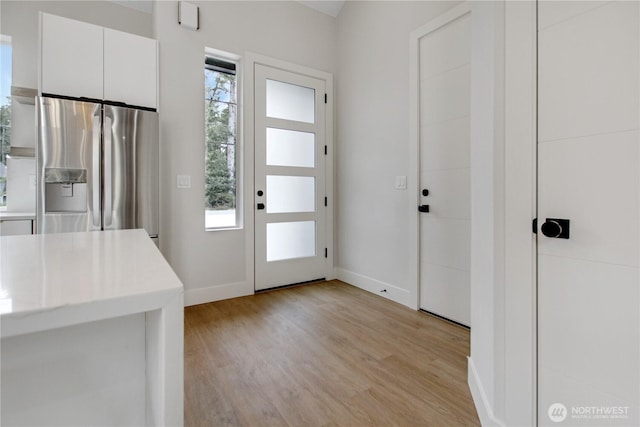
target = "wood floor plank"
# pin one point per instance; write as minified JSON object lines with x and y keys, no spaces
{"x":325,"y":354}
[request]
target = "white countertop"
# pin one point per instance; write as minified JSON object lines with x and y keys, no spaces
{"x":15,"y":216}
{"x":55,"y":280}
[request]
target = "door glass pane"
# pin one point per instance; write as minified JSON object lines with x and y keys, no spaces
{"x":290,"y":148}
{"x":290,"y":102}
{"x":290,"y":194}
{"x":287,"y":240}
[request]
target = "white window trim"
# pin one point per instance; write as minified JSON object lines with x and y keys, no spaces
{"x":239,"y":151}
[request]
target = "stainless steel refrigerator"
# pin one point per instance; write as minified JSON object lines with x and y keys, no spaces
{"x":97,"y":167}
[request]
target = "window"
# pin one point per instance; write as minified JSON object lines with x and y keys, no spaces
{"x":5,"y":113}
{"x":220,"y":118}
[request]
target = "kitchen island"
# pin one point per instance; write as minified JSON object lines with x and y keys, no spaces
{"x":91,"y":331}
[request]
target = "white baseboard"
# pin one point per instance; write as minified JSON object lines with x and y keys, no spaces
{"x":394,"y":293}
{"x":485,"y":413}
{"x":217,"y":293}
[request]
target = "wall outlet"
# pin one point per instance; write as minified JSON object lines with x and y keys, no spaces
{"x":401,"y":182}
{"x":184,"y":181}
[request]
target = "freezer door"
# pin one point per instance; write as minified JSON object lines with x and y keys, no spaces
{"x":68,"y":165}
{"x":130,"y":164}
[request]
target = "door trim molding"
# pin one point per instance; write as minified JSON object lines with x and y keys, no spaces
{"x":520,"y":200}
{"x":483,"y":407}
{"x":251,"y":59}
{"x":413,"y":184}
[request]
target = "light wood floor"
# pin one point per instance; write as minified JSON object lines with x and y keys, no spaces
{"x":325,"y":354}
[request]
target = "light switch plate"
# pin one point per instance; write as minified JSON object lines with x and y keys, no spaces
{"x":401,"y":182}
{"x":184,"y":181}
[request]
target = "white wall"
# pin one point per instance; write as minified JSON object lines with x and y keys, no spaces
{"x":375,"y":244}
{"x":502,"y":363}
{"x":487,"y":208}
{"x":219,"y":264}
{"x":520,"y":190}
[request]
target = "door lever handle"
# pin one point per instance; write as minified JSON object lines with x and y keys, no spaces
{"x":423,"y":208}
{"x":260,"y":206}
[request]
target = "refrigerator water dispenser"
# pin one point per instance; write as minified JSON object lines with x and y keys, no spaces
{"x":65,"y":190}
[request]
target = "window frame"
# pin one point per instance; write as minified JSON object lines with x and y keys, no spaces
{"x":7,"y":40}
{"x":227,"y":57}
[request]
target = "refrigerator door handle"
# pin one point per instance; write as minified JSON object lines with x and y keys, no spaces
{"x":108,"y":196}
{"x":95,"y":185}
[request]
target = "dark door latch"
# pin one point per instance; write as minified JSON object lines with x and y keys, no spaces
{"x":556,"y":228}
{"x":423,"y":208}
{"x":260,"y":206}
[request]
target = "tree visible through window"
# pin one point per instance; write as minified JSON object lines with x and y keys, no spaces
{"x":220,"y":143}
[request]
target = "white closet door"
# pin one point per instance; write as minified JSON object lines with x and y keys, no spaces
{"x":588,"y":173}
{"x":445,"y":230}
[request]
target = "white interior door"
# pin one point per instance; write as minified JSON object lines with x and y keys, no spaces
{"x":588,"y":173}
{"x":289,"y":178}
{"x":445,"y":229}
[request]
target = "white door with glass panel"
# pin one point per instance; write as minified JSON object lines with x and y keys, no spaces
{"x":289,"y":178}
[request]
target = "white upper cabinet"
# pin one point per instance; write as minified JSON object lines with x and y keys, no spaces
{"x":72,"y":59}
{"x":130,"y":68}
{"x":85,"y":60}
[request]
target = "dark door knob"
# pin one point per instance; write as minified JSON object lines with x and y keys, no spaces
{"x":260,"y":193}
{"x":260,"y":206}
{"x":425,"y":192}
{"x":556,"y":228}
{"x":423,"y":208}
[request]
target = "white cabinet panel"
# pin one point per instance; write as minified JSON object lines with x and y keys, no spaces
{"x":72,"y":58}
{"x":87,"y":374}
{"x":15,"y":227}
{"x":85,"y":60}
{"x":130,"y":68}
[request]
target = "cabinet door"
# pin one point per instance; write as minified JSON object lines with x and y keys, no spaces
{"x":130,"y":64}
{"x":15,"y":227}
{"x":72,"y":57}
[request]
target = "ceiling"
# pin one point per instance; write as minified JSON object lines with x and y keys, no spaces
{"x":329,"y":7}
{"x":141,"y":5}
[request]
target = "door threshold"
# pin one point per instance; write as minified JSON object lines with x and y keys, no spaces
{"x":445,"y":319}
{"x":291,"y":285}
